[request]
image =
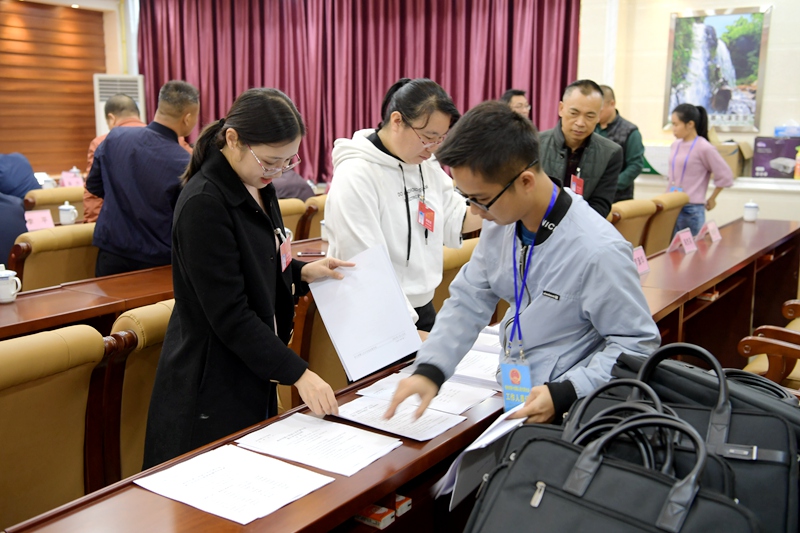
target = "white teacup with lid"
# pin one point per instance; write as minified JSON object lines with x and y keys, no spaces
{"x":67,"y":214}
{"x":750,"y":211}
{"x":10,"y":285}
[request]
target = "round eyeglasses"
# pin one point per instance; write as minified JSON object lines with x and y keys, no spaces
{"x":293,"y":162}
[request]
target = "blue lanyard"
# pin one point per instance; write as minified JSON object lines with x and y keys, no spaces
{"x":685,"y":162}
{"x":516,"y":329}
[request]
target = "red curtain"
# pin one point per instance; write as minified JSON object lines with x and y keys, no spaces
{"x":336,"y":58}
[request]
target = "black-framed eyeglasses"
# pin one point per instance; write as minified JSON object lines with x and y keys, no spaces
{"x":486,"y":207}
{"x":267,"y":171}
{"x":425,"y":143}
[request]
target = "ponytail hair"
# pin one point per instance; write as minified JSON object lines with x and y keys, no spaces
{"x":416,"y":98}
{"x":692,"y":113}
{"x":259,"y":116}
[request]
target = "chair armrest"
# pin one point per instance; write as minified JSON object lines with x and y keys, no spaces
{"x":304,"y":224}
{"x":782,"y":356}
{"x":777,"y":333}
{"x":16,"y":259}
{"x":791,"y":309}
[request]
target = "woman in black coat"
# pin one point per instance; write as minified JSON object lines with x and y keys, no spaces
{"x":225,"y":347}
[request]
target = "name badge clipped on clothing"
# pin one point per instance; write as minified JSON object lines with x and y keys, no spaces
{"x":516,"y":381}
{"x":286,"y":254}
{"x":675,"y":188}
{"x":576,"y":184}
{"x":425,"y":216}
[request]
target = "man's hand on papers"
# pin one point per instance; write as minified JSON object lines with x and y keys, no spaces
{"x":538,"y":407}
{"x":410,"y":386}
{"x":423,"y":335}
{"x":324,"y":268}
{"x":317,"y":394}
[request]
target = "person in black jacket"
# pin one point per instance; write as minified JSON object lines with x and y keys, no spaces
{"x":225,"y":347}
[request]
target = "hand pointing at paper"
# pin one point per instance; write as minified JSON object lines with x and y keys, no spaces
{"x":410,"y":386}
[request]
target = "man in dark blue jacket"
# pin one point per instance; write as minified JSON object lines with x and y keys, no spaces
{"x":12,"y":224}
{"x":16,"y":175}
{"x":136,"y":171}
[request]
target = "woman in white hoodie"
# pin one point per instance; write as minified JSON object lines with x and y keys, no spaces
{"x":388,"y":189}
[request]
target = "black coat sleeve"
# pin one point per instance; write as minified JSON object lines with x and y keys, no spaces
{"x":94,"y":181}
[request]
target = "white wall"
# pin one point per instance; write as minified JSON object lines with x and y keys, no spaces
{"x":641,"y":56}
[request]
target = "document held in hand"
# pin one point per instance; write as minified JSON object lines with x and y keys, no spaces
{"x":366,"y":315}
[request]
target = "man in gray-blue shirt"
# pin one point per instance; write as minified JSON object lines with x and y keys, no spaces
{"x":137,"y":173}
{"x":575,"y":298}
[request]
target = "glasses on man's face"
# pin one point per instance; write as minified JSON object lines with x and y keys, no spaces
{"x":426,"y":143}
{"x":293,"y":162}
{"x":521,"y":107}
{"x":485,"y":207}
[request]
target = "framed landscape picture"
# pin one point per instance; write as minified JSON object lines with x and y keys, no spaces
{"x":716,"y":60}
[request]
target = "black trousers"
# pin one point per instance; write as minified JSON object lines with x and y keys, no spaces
{"x":427,"y":316}
{"x":108,"y":264}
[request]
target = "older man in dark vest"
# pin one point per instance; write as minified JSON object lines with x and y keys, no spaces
{"x":627,"y":135}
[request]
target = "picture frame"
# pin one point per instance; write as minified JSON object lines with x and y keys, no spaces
{"x":717,"y":58}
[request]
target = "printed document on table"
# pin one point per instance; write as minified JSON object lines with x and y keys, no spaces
{"x":366,"y":315}
{"x":478,"y":368}
{"x":234,"y":483}
{"x":370,"y":411}
{"x":454,"y":398}
{"x":320,"y":443}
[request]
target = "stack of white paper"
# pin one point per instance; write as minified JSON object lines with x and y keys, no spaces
{"x":452,"y":398}
{"x":366,"y":314}
{"x":370,"y":411}
{"x":479,"y":369}
{"x":234,"y":483}
{"x":319,"y":443}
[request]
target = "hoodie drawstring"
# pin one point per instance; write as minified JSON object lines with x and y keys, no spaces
{"x":408,"y":208}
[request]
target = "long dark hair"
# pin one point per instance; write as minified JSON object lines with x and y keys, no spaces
{"x":417,"y":98}
{"x":696,"y":114}
{"x":259,"y":116}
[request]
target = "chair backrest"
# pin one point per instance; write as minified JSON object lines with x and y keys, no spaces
{"x":659,"y":234}
{"x":292,"y":210}
{"x":49,"y":257}
{"x":136,"y":375}
{"x":45,"y":417}
{"x":52,"y":198}
{"x":313,"y":344}
{"x":454,"y":259}
{"x":631,"y":218}
{"x":309,"y":226}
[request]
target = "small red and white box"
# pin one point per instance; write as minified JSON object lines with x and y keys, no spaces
{"x":402,"y":504}
{"x":376,"y":516}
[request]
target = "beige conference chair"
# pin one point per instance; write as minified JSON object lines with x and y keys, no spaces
{"x":53,"y":198}
{"x":631,"y":218}
{"x":50,"y":420}
{"x":292,"y":210}
{"x":131,"y":379}
{"x":659,"y":234}
{"x":454,"y":259}
{"x":50,"y":257}
{"x":309,"y":226}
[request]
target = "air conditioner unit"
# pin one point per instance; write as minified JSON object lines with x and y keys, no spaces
{"x":106,"y":86}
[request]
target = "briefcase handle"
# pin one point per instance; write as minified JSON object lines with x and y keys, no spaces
{"x":720,"y":419}
{"x":681,"y":495}
{"x":572,"y":425}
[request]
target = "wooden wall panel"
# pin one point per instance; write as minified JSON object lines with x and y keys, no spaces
{"x":48,"y":55}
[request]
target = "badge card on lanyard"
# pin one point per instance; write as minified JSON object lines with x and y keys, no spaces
{"x":285,"y":249}
{"x":516,"y":377}
{"x":679,"y":187}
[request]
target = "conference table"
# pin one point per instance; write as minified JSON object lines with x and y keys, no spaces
{"x":97,"y":301}
{"x":748,"y":274}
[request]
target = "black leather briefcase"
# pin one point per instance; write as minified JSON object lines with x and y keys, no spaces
{"x":557,"y":486}
{"x":759,"y":445}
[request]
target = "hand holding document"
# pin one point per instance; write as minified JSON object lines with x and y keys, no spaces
{"x":370,"y":411}
{"x":320,"y":443}
{"x":234,"y":483}
{"x":366,"y":315}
